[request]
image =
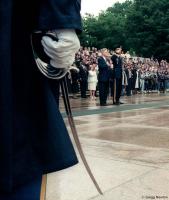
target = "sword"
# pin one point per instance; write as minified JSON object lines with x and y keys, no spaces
{"x":64,"y":88}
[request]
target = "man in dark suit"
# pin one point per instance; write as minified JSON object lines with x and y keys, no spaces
{"x":103,"y":77}
{"x":117,"y":79}
{"x":33,"y":137}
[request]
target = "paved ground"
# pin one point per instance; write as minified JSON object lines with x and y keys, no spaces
{"x":127,"y":148}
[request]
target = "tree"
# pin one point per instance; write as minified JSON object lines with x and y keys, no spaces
{"x":147,"y":28}
{"x":107,"y":29}
{"x":139,"y":26}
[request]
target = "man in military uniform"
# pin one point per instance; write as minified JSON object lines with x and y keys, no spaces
{"x":33,"y":137}
{"x":117,"y":75}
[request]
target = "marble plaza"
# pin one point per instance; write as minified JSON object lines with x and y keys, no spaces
{"x":127,"y":148}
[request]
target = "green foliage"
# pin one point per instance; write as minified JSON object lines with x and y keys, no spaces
{"x":139,"y":26}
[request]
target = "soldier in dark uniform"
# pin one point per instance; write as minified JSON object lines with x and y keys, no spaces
{"x":74,"y":81}
{"x":117,"y":79}
{"x":134,"y":77}
{"x":33,"y":137}
{"x":129,"y":79}
{"x":83,"y":76}
{"x":103,"y":77}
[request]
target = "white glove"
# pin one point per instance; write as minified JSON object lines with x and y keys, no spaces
{"x":61,"y":52}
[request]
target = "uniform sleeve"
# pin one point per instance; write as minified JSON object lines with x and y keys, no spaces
{"x":63,"y":14}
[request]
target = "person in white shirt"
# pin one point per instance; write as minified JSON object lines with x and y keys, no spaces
{"x":92,"y":81}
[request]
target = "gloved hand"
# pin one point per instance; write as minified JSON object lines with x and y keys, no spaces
{"x":61,"y":52}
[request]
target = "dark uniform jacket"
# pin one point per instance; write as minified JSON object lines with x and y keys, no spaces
{"x":117,"y":63}
{"x":33,"y":137}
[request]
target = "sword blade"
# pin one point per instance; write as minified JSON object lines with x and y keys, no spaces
{"x":64,"y":88}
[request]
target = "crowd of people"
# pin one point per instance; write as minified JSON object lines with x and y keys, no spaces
{"x":138,"y":75}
